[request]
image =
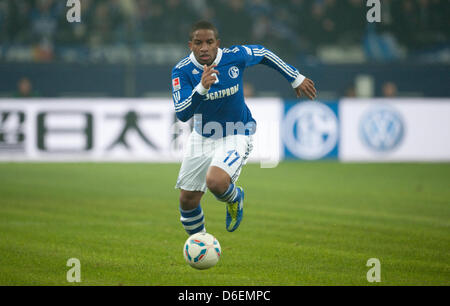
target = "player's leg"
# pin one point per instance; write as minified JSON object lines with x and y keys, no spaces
{"x":192,"y":184}
{"x":217,"y":180}
{"x":224,"y":171}
{"x":191,"y":213}
{"x":220,"y":184}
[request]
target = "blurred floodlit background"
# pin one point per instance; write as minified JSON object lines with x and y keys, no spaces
{"x":126,"y":48}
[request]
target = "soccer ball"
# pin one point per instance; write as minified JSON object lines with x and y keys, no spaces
{"x":202,"y":251}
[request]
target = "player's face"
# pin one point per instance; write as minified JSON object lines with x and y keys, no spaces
{"x":204,"y":45}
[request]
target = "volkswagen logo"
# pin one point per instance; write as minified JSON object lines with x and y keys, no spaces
{"x":381,"y":129}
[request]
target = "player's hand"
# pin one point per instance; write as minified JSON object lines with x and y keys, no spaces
{"x":209,"y":76}
{"x":307,"y":88}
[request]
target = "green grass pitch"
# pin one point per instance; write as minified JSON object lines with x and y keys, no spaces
{"x":304,"y":224}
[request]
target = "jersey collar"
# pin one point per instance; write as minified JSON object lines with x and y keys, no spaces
{"x":216,"y":61}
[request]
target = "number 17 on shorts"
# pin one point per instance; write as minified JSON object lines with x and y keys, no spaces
{"x":233,"y":154}
{"x":232,"y":157}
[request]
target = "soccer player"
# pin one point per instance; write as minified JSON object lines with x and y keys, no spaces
{"x":208,"y":86}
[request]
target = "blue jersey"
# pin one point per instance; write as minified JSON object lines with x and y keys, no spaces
{"x":221,"y":110}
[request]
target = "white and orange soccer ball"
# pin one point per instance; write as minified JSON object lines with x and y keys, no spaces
{"x":202,"y":251}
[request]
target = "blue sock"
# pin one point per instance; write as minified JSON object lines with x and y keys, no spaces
{"x":232,"y":194}
{"x":193,"y":220}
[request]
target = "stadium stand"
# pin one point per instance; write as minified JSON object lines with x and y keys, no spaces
{"x":294,"y":26}
{"x":307,"y":33}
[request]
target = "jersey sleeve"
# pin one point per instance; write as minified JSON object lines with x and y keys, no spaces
{"x":186,"y":97}
{"x":256,"y":54}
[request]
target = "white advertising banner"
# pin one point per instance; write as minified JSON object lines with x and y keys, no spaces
{"x":85,"y":130}
{"x":267,"y":143}
{"x":394,"y":130}
{"x":106,"y":130}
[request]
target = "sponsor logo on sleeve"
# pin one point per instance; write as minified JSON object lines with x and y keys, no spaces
{"x":176,"y":84}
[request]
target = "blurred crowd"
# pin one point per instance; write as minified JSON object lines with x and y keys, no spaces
{"x":289,"y":25}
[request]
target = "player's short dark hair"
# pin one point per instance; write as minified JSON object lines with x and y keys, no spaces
{"x":203,"y":25}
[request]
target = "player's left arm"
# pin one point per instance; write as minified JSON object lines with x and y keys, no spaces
{"x":306,"y":87}
{"x":256,"y":54}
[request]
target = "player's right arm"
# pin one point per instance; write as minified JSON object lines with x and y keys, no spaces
{"x":187,"y":98}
